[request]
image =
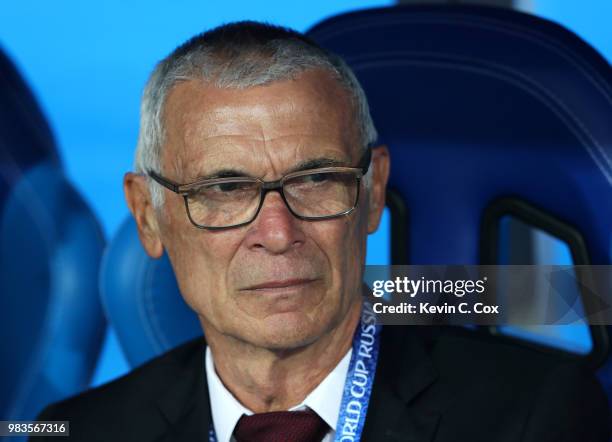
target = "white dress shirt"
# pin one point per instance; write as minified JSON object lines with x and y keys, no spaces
{"x":324,"y":400}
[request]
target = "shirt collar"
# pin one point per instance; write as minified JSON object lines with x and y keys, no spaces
{"x":325,"y":399}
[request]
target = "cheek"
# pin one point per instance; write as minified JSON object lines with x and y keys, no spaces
{"x":200,"y":260}
{"x":344,"y":246}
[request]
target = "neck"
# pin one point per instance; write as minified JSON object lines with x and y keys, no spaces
{"x":266,"y":380}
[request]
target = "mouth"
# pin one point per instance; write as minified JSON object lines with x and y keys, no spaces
{"x":280,"y":285}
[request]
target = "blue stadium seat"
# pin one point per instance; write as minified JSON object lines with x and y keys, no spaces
{"x":488,"y":113}
{"x":141,"y":299}
{"x":51,"y":320}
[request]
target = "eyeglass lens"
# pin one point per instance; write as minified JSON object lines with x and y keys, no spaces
{"x":315,"y":195}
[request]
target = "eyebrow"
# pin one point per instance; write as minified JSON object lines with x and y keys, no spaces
{"x":223,"y":173}
{"x":314,"y":163}
{"x":317,"y":163}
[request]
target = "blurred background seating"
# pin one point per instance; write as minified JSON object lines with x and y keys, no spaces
{"x":51,"y":320}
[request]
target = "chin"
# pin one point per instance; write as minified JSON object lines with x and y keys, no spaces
{"x":287,"y":331}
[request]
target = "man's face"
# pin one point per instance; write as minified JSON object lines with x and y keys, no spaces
{"x":278,"y":282}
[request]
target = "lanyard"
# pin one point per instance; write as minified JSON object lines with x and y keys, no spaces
{"x":359,"y":380}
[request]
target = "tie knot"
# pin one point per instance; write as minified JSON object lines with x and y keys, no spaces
{"x":281,"y":426}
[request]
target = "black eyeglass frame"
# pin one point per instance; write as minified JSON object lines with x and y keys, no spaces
{"x":266,"y":186}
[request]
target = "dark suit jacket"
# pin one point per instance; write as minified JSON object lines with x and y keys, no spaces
{"x":431,"y":384}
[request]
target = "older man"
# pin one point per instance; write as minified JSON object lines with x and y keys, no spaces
{"x":258,"y":175}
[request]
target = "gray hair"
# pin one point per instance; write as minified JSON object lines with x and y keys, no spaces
{"x":238,"y":55}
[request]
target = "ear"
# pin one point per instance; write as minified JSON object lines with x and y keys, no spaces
{"x":139,"y":201}
{"x":380,"y":175}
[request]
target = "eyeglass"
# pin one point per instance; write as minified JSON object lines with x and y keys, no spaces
{"x":315,"y":194}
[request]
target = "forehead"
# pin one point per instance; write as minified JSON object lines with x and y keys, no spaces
{"x":308,"y":116}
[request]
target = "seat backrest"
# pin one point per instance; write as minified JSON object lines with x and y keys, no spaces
{"x":487,"y":112}
{"x":51,"y":320}
{"x":142,"y":300}
{"x":479,"y":104}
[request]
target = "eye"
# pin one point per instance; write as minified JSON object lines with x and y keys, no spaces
{"x":318,"y":177}
{"x":231,"y":187}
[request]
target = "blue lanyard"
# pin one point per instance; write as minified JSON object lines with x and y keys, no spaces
{"x":359,"y":380}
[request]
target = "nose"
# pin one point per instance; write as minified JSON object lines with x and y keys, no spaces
{"x":275,"y":230}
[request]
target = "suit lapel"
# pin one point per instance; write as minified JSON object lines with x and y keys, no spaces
{"x":404,"y":373}
{"x":184,"y":404}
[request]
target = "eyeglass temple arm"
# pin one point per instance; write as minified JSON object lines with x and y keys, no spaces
{"x":365,"y":160}
{"x":164,"y":182}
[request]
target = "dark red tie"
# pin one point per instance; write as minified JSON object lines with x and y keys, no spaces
{"x":281,"y":426}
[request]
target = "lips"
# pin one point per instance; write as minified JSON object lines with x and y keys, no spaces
{"x":286,"y":283}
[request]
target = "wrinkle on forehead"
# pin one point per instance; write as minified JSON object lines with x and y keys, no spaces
{"x":207,"y":123}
